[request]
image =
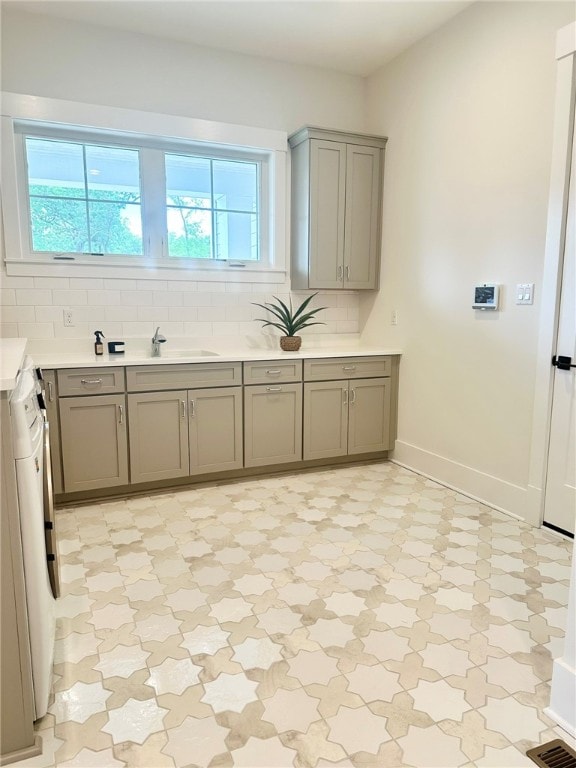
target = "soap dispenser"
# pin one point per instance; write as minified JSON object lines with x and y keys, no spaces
{"x":98,"y":345}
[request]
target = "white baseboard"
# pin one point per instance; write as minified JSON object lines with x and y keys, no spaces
{"x":562,"y":707}
{"x":493,"y":491}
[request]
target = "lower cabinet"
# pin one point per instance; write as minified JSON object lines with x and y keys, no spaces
{"x":215,"y":429}
{"x":94,"y":442}
{"x":184,"y":432}
{"x":198,"y":419}
{"x":272,"y":424}
{"x":158,"y":435}
{"x":346,"y":417}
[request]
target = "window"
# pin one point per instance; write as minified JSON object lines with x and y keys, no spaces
{"x":101,"y":200}
{"x":211,"y":208}
{"x":96,"y":191}
{"x":83,"y":198}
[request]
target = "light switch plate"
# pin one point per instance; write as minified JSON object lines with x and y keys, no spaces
{"x":525,"y":293}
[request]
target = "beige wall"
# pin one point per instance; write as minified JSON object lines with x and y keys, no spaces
{"x":60,"y":59}
{"x":469,"y":114}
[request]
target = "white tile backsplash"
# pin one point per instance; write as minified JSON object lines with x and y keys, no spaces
{"x":33,"y":307}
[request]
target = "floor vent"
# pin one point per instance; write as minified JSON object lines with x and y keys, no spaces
{"x":554,"y":754}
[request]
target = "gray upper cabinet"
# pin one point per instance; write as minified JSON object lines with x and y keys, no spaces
{"x":337,"y":182}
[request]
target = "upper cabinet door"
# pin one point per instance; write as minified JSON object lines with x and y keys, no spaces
{"x":363,"y":216}
{"x":327,"y":212}
{"x":336,"y":208}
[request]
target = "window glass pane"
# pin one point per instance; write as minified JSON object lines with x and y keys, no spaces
{"x":189,"y":232}
{"x":236,"y":236}
{"x":59,"y":225}
{"x":57,"y":171}
{"x":112,"y":173}
{"x":235,"y":185}
{"x":115,"y":228}
{"x":55,"y":168}
{"x":188,"y":181}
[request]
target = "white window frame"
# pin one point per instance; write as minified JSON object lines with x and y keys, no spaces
{"x":91,"y":123}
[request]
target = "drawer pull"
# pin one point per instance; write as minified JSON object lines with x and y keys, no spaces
{"x":273,"y":389}
{"x":348,"y":367}
{"x":90,"y":381}
{"x":273,"y":372}
{"x":120,"y":414}
{"x":183,"y":409}
{"x":50,"y":392}
{"x":345,"y":399}
{"x":192,"y":409}
{"x":352,"y":396}
{"x":347,"y":273}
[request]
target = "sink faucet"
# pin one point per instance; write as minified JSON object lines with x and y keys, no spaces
{"x":157,"y":339}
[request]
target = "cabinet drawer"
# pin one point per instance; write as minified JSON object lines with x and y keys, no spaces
{"x":266,"y":371}
{"x":90,"y":381}
{"x":151,"y":378}
{"x":346,"y":368}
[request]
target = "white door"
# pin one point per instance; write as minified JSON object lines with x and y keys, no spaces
{"x":560,"y":500}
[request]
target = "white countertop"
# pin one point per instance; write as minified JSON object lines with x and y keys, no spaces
{"x":184,"y":351}
{"x":11,"y":356}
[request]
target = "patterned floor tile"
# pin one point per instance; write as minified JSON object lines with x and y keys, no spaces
{"x":355,"y":616}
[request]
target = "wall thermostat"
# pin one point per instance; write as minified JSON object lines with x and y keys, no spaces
{"x":486,"y":296}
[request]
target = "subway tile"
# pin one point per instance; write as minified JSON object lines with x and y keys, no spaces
{"x":49,"y":314}
{"x":66,"y":298}
{"x":136,"y":329}
{"x":103,"y":298}
{"x":225,"y":329}
{"x":154,"y":314}
{"x":7,"y":296}
{"x":87,"y":283}
{"x":33,"y":296}
{"x":198,"y":329}
{"x":11,"y":314}
{"x":136,"y":298}
{"x":119,"y":284}
{"x":167,"y":298}
{"x":224,"y":299}
{"x":207,"y":314}
{"x":121,"y":313}
{"x":151,"y":285}
{"x":182,"y":285}
{"x":183,"y":314}
{"x":10,"y":281}
{"x":52,"y":283}
{"x":9,"y":330}
{"x":196,"y":299}
{"x":169,"y":329}
{"x":238,"y":314}
{"x":36,"y":330}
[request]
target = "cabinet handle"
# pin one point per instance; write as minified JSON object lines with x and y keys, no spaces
{"x":120,"y":414}
{"x":273,"y":372}
{"x":273,"y":389}
{"x":340,"y":272}
{"x":90,"y":381}
{"x":352,"y":396}
{"x":348,"y":367}
{"x":50,"y":392}
{"x":183,"y":407}
{"x":347,"y":273}
{"x":192,"y":409}
{"x":345,"y":393}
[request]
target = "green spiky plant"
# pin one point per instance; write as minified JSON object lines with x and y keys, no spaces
{"x":288,"y":320}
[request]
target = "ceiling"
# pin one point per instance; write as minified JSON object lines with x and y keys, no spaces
{"x":353,"y":36}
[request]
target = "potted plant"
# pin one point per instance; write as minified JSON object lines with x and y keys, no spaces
{"x":290,"y":321}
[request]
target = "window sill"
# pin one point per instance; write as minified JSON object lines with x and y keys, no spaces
{"x":151,"y":271}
